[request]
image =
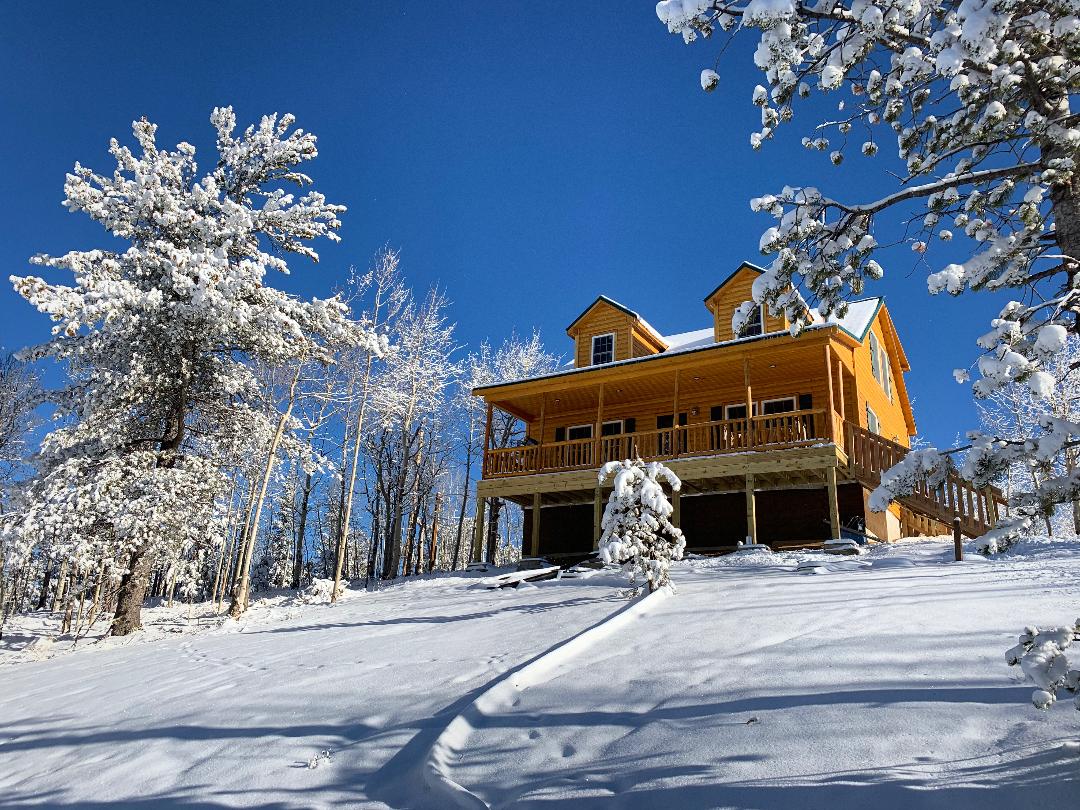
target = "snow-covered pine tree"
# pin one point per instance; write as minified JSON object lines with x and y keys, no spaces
{"x":157,"y":335}
{"x":979,"y":95}
{"x":636,"y":529}
{"x":1043,"y":656}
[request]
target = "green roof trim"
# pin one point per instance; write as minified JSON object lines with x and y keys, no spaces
{"x":734,"y":273}
{"x":605,"y":300}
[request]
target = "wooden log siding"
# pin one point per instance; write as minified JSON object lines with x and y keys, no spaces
{"x":772,"y":432}
{"x":869,"y":455}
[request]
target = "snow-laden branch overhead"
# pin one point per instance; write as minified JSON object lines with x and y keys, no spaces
{"x":978,"y":96}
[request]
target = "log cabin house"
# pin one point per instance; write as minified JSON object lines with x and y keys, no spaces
{"x":778,"y":439}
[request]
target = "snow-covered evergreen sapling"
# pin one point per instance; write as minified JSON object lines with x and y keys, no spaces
{"x":637,"y":532}
{"x":1042,"y":656}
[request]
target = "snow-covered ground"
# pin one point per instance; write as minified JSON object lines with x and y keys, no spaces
{"x":879,"y":683}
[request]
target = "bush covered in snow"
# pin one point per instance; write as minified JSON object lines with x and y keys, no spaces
{"x":637,"y":528}
{"x":1042,"y":656}
{"x":318,"y":592}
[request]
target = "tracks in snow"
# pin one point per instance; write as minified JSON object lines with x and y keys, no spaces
{"x":442,"y":791}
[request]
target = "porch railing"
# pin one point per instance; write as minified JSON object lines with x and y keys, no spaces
{"x":870,"y":455}
{"x":774,"y":431}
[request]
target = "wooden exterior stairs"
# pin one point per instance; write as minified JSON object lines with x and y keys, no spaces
{"x":929,"y":510}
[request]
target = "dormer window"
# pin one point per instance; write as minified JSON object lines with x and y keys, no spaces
{"x":603,"y":348}
{"x":754,"y":324}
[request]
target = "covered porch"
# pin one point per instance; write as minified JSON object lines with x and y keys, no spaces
{"x":710,"y":404}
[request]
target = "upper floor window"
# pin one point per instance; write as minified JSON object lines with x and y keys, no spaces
{"x":879,"y":365}
{"x":603,"y":348}
{"x":754,"y":325}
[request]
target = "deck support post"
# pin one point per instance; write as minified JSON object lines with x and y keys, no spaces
{"x":675,"y":421}
{"x":597,"y":442}
{"x":751,"y":510}
{"x":750,"y":438}
{"x":598,"y":513}
{"x":540,"y":439}
{"x":676,"y":509}
{"x":834,"y":503}
{"x":478,"y":531}
{"x":840,"y":388}
{"x":830,"y":421}
{"x":487,"y":438}
{"x":534,"y":546}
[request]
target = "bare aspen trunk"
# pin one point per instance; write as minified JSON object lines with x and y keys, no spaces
{"x":58,"y":594}
{"x":433,"y":548}
{"x":240,"y":600}
{"x":229,"y":525}
{"x":464,"y":505}
{"x":301,"y":529}
{"x":95,"y":606}
{"x":237,"y":555}
{"x":69,"y":603}
{"x":346,"y":519}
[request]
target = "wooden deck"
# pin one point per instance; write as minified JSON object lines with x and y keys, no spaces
{"x":760,"y":433}
{"x":791,"y":449}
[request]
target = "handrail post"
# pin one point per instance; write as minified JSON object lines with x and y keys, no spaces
{"x":958,"y":544}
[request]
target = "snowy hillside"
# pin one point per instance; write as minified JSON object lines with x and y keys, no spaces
{"x":881,"y":682}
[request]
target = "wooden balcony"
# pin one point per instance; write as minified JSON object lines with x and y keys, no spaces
{"x":760,"y":433}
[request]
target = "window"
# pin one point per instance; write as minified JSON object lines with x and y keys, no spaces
{"x":754,"y":324}
{"x":737,"y":411}
{"x":886,"y":376}
{"x":603,"y":348}
{"x":872,"y":423}
{"x":613,"y":428}
{"x":879,"y":365}
{"x":875,"y":357}
{"x":579,"y":432}
{"x":665,"y":421}
{"x":782,"y":405}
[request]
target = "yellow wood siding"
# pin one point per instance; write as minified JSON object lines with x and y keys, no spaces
{"x":642,"y":344}
{"x":890,"y":414}
{"x":602,"y":320}
{"x":728,"y":298}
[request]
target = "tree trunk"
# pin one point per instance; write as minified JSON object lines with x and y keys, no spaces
{"x":433,"y":548}
{"x":240,"y":600}
{"x":301,"y":529}
{"x":130,"y":595}
{"x":343,"y":534}
{"x":493,"y":529}
{"x":58,"y":593}
{"x":43,"y":597}
{"x":464,"y":506}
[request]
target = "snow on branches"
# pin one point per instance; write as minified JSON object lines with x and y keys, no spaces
{"x":1043,"y":656}
{"x":161,"y":337}
{"x":978,"y":95}
{"x":636,"y":530}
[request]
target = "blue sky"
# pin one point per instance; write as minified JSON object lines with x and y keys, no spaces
{"x":526,"y":157}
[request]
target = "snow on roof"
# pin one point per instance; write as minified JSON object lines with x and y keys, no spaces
{"x":856,"y":323}
{"x":859,"y":316}
{"x":689,"y":340}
